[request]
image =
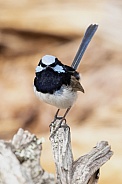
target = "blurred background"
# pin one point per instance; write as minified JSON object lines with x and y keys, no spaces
{"x":30,"y":29}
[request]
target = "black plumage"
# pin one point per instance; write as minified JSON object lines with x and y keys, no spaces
{"x":49,"y":81}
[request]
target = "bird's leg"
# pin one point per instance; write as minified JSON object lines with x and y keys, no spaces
{"x":66,"y":113}
{"x":56,"y":115}
{"x":62,"y":119}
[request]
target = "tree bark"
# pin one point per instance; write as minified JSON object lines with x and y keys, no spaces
{"x":85,"y":170}
{"x":20,"y":159}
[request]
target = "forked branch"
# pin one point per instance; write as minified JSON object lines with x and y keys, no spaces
{"x":20,"y":159}
{"x":84,"y":170}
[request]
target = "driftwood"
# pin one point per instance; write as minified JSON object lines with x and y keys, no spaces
{"x":20,"y":159}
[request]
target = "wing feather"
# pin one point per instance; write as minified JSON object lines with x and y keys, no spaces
{"x":76,"y":86}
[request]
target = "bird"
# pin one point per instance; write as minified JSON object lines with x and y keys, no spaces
{"x":57,"y":84}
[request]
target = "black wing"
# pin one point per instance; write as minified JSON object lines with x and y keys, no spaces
{"x":72,"y":71}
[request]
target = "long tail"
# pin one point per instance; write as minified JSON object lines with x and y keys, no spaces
{"x":85,"y":41}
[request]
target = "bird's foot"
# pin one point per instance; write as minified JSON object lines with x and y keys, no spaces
{"x":56,"y":126}
{"x":55,"y":118}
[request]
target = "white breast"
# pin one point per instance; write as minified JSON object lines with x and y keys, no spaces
{"x":62,"y":99}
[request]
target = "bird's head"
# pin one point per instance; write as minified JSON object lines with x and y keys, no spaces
{"x":52,"y":62}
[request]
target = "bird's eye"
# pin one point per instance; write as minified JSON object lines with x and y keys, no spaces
{"x":39,"y":62}
{"x":53,"y":65}
{"x":43,"y":65}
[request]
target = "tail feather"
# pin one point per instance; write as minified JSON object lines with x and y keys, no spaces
{"x":85,"y":41}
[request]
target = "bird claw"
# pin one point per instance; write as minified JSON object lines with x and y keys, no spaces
{"x":59,"y":126}
{"x":53,"y":123}
{"x":55,"y":118}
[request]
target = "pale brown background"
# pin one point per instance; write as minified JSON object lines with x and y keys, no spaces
{"x":30,"y":29}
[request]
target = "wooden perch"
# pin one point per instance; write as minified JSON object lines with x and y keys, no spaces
{"x":84,"y":170}
{"x":20,"y":159}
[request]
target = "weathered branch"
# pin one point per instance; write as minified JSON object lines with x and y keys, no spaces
{"x":20,"y":159}
{"x":85,"y":169}
{"x":61,"y":145}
